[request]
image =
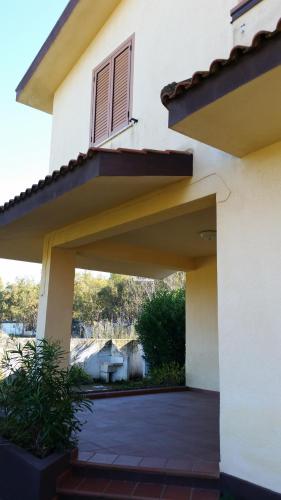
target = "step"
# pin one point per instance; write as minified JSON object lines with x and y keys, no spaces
{"x":76,"y":487}
{"x":180,"y":477}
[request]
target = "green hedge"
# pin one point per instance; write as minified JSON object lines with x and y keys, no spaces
{"x":161,"y":328}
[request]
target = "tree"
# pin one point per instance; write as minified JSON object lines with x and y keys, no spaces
{"x":86,"y":305}
{"x":19,"y":302}
{"x":1,"y":300}
{"x":161,"y":327}
{"x":116,"y":299}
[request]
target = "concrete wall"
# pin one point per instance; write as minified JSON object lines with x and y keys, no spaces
{"x":202,"y":363}
{"x":94,"y":353}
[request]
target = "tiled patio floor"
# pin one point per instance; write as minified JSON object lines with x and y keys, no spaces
{"x":160,"y":431}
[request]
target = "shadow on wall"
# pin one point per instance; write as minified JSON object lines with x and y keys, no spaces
{"x":109,"y":360}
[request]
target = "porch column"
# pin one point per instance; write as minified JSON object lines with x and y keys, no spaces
{"x":202,"y":359}
{"x":56,"y":296}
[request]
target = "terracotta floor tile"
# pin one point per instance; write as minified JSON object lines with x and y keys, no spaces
{"x":153,"y":462}
{"x":118,"y":487}
{"x":203,"y":466}
{"x":96,"y":485}
{"x":200,"y":494}
{"x":173,"y":492}
{"x":149,"y":490}
{"x":179,"y":464}
{"x":70,"y":482}
{"x":103,"y":458}
{"x":167,"y":425}
{"x":85,"y":455}
{"x":129,"y":460}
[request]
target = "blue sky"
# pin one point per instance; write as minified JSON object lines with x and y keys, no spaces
{"x":24,"y":132}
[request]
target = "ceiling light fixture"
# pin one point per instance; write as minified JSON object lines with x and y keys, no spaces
{"x":208,"y":235}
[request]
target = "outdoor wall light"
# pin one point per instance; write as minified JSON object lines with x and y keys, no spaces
{"x":208,"y":235}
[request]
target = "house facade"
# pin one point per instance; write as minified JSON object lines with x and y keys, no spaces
{"x":190,"y":181}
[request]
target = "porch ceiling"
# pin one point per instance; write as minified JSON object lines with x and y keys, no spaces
{"x":154,"y":251}
{"x":235,"y":106}
{"x":92,"y":184}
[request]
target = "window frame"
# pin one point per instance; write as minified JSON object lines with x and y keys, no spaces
{"x":129,"y":42}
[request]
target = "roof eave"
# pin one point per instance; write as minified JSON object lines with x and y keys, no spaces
{"x":80,"y":22}
{"x":231,"y":106}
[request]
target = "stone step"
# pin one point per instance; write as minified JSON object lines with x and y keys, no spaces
{"x":76,"y":487}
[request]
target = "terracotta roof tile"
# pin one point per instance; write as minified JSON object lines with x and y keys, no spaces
{"x":73,"y":165}
{"x":174,"y":89}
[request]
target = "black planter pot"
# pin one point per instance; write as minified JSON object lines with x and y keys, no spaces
{"x":25,"y":477}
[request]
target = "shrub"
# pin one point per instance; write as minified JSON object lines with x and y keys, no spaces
{"x":79,"y":376}
{"x":168,"y":374}
{"x":161,"y":328}
{"x":37,"y":400}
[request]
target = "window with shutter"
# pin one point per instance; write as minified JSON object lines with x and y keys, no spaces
{"x":112,"y":94}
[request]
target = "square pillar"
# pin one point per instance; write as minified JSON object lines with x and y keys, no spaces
{"x":56,"y":296}
{"x":202,"y":358}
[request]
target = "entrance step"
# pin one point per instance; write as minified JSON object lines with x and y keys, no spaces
{"x":84,"y":480}
{"x":73,"y":487}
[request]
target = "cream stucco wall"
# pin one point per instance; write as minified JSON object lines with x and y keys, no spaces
{"x":263,"y":16}
{"x":56,"y":297}
{"x":248,"y":217}
{"x":202,"y":362}
{"x":249,"y":318}
{"x":172,"y":40}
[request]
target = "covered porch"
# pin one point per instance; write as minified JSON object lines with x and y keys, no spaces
{"x":138,"y":213}
{"x":123,"y":211}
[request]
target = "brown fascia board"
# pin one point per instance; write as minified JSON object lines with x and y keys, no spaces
{"x":224,"y":75}
{"x":47,"y":44}
{"x":97,"y":162}
{"x":242,"y":7}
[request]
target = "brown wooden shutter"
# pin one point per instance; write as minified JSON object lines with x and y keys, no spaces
{"x":121,"y":89}
{"x":101,"y":104}
{"x":112,"y":94}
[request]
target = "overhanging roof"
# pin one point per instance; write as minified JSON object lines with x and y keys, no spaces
{"x":94,"y":182}
{"x":235,"y":106}
{"x":74,"y":31}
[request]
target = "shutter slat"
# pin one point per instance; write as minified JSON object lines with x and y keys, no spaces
{"x":121,"y":89}
{"x":102,"y":102}
{"x":111,"y":95}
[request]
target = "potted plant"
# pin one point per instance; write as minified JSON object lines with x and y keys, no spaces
{"x":38,"y":422}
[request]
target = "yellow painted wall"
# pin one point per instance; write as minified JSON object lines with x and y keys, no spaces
{"x":248,"y":216}
{"x":202,"y":362}
{"x":249,"y":319}
{"x":162,"y":55}
{"x":56,"y":297}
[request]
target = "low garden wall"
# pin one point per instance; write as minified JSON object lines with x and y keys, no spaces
{"x":107,"y":359}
